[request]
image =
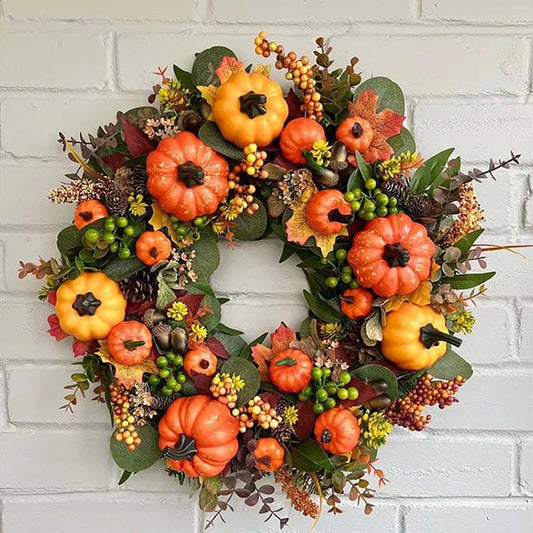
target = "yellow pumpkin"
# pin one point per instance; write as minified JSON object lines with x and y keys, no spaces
{"x":250,"y":108}
{"x":415,"y":336}
{"x":89,"y":306}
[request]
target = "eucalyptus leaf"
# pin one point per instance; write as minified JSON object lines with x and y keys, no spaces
{"x":138,"y":115}
{"x":144,"y":455}
{"x":248,"y":372}
{"x":205,"y":64}
{"x":390,"y":94}
{"x":403,"y":142}
{"x":212,"y":319}
{"x":119,"y":269}
{"x":207,"y":256}
{"x":210,"y":135}
{"x":450,"y":365}
{"x":251,"y":227}
{"x":233,"y":344}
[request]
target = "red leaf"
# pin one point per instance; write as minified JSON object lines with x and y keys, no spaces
{"x":282,"y":162}
{"x":282,"y":338}
{"x":192,"y":301}
{"x":271,"y":397}
{"x":306,"y":420}
{"x":80,"y":348}
{"x":138,"y":308}
{"x":136,"y":141}
{"x":55,"y":329}
{"x":52,"y":297}
{"x":262,"y":357}
{"x":294,"y":103}
{"x":114,"y":161}
{"x":217,"y":348}
{"x":201,"y":382}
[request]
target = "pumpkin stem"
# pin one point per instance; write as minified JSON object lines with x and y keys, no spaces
{"x":131,"y":345}
{"x":86,"y":304}
{"x":431,"y":336}
{"x":336,"y":216}
{"x":253,"y":104}
{"x":357,"y":130}
{"x":288,"y":361}
{"x":325,"y":437}
{"x":85,"y":215}
{"x":396,"y":255}
{"x":185,"y":448}
{"x":154,"y":252}
{"x":190,"y":174}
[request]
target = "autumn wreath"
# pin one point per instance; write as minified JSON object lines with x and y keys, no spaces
{"x":387,"y":241}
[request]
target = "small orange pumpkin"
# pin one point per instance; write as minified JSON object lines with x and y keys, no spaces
{"x":356,"y":303}
{"x":356,"y":133}
{"x":88,"y":212}
{"x":290,"y":370}
{"x":198,"y":436}
{"x":130,"y":342}
{"x":200,"y":360}
{"x":392,"y":255}
{"x":328,"y":212}
{"x":152,"y":247}
{"x":269,"y":454}
{"x":186,"y":177}
{"x":337,"y":431}
{"x":300,"y":134}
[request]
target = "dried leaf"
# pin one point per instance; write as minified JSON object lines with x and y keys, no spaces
{"x":208,"y":93}
{"x":161,"y":219}
{"x":228,"y":66}
{"x":420,"y":296}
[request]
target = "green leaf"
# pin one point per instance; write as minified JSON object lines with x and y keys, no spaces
{"x":371,"y":372}
{"x":364,"y":167}
{"x":124,"y":477}
{"x":403,"y":142}
{"x":205,"y":64}
{"x":69,"y":239}
{"x":251,"y":227}
{"x":270,"y":387}
{"x":425,"y":175}
{"x":203,"y":286}
{"x":144,"y":455}
{"x":207,"y":256}
{"x":390,"y":94}
{"x":210,"y":320}
{"x":248,"y":372}
{"x":246,"y":352}
{"x":233,"y":344}
{"x":465,"y":243}
{"x":120,"y":269}
{"x":311,"y":454}
{"x":468,"y":281}
{"x":355,"y":181}
{"x":185,"y":78}
{"x":406,"y":383}
{"x":210,"y":135}
{"x":451,"y":364}
{"x":321,"y":309}
{"x":228,"y":331}
{"x":305,"y":328}
{"x":288,"y":251}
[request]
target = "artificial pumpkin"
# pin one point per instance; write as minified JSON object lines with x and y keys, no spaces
{"x":415,"y":336}
{"x":89,"y":306}
{"x":269,"y":454}
{"x":198,"y":436}
{"x":337,"y":431}
{"x":290,"y":370}
{"x":356,"y":133}
{"x":152,"y":247}
{"x":250,"y":108}
{"x":392,"y":255}
{"x":187,"y":178}
{"x":300,"y":134}
{"x":356,"y":303}
{"x":88,"y":212}
{"x":129,"y":342}
{"x":328,"y":212}
{"x":200,"y":360}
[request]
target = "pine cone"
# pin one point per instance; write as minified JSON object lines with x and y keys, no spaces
{"x":139,"y":179}
{"x":419,"y":205}
{"x":161,"y":403}
{"x":140,"y":287}
{"x":123,"y":180}
{"x":283,"y":433}
{"x":396,"y":187}
{"x":116,"y":200}
{"x":355,"y":347}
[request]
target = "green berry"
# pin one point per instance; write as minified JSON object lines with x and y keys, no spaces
{"x":109,"y":237}
{"x":344,"y":377}
{"x":342,"y":394}
{"x":341,"y":254}
{"x":154,"y":380}
{"x":170,"y":356}
{"x":369,"y":206}
{"x":129,"y":231}
{"x":318,"y":408}
{"x":177,"y":387}
{"x":371,"y":184}
{"x":326,"y":372}
{"x":393,"y":210}
{"x":198,"y":221}
{"x":331,"y":387}
{"x":178,"y":361}
{"x":307,"y":391}
{"x":113,"y":248}
{"x":182,"y":231}
{"x":167,"y":391}
{"x":171,"y":382}
{"x":122,"y":222}
{"x":164,"y":373}
{"x":353,"y":393}
{"x":330,"y":403}
{"x":316,"y":373}
{"x":332,"y":282}
{"x":382,"y":211}
{"x":346,"y":278}
{"x":92,"y":236}
{"x":349,"y":196}
{"x":382,"y":199}
{"x":161,"y":361}
{"x":355,"y":205}
{"x":357,"y":192}
{"x":370,"y":216}
{"x":346,"y":269}
{"x":376,"y":192}
{"x":324,"y":261}
{"x":303,"y":397}
{"x":321,"y":395}
{"x":110,"y":226}
{"x":393,"y":201}
{"x":354,"y":284}
{"x":124,"y":253}
{"x":181,"y":378}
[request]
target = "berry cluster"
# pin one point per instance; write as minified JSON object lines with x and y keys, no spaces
{"x":185,"y":231}
{"x":122,"y":414}
{"x":170,"y":378}
{"x":115,"y":237}
{"x":407,"y":412}
{"x":242,"y":199}
{"x":253,"y":161}
{"x":323,"y":389}
{"x":225,"y":388}
{"x":298,"y":70}
{"x":343,"y":273}
{"x":371,"y":202}
{"x":256,"y":411}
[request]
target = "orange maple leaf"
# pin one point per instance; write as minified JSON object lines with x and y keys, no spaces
{"x":385,"y":124}
{"x":420,"y":296}
{"x":228,"y":66}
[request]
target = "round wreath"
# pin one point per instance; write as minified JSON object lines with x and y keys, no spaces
{"x":386,"y":240}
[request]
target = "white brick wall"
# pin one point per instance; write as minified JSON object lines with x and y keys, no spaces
{"x":466,"y":71}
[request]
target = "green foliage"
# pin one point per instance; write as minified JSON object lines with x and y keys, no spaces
{"x":144,"y":455}
{"x":468,"y":281}
{"x":425,"y":175}
{"x":120,"y":269}
{"x":322,"y":309}
{"x":212,"y":319}
{"x":205,"y":64}
{"x":248,"y":372}
{"x":233,"y":344}
{"x":369,"y":373}
{"x":185,"y":78}
{"x":465,"y":243}
{"x":309,"y":456}
{"x":251,"y":227}
{"x":207,"y":255}
{"x":138,"y":115}
{"x":246,"y":352}
{"x":403,"y":142}
{"x":390,"y":94}
{"x":210,"y":135}
{"x":450,"y":365}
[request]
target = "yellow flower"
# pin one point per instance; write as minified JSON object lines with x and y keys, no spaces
{"x":173,"y":96}
{"x":462,"y":321}
{"x":137,"y":205}
{"x":290,"y":415}
{"x":330,"y":330}
{"x":200,"y":332}
{"x":375,"y":428}
{"x":400,"y":165}
{"x":321,"y":152}
{"x":178,"y":311}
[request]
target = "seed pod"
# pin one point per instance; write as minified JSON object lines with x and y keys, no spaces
{"x":190,"y":121}
{"x":178,"y":341}
{"x":327,"y":177}
{"x":339,"y":152}
{"x":380,"y":402}
{"x":161,"y":334}
{"x":379,"y":385}
{"x":152,"y":317}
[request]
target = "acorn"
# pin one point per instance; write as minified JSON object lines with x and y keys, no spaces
{"x":380,"y":402}
{"x":161,"y":334}
{"x":178,"y":341}
{"x":327,"y":177}
{"x":339,"y":152}
{"x":190,"y":121}
{"x":379,"y":385}
{"x":152,"y":317}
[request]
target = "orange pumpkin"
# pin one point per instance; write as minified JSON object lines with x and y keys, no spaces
{"x":187,"y":178}
{"x":337,"y":431}
{"x":250,"y":108}
{"x":152,"y":247}
{"x":198,"y":436}
{"x":300,"y":134}
{"x":356,"y":133}
{"x":328,"y":212}
{"x":88,"y":212}
{"x":356,"y":303}
{"x":269,"y":454}
{"x":200,"y":360}
{"x":130,"y":342}
{"x":290,"y":370}
{"x":392,"y":255}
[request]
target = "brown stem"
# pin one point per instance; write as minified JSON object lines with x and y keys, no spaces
{"x":131,"y":345}
{"x":185,"y":448}
{"x":430,"y":336}
{"x":336,"y":216}
{"x":357,"y":130}
{"x":396,"y":255}
{"x":86,"y":304}
{"x":190,"y":174}
{"x":288,"y":361}
{"x":253,"y":104}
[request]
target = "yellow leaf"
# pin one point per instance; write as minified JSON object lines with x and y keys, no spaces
{"x":263,"y":69}
{"x":161,"y":219}
{"x":127,"y":375}
{"x":208,"y":92}
{"x":420,"y":296}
